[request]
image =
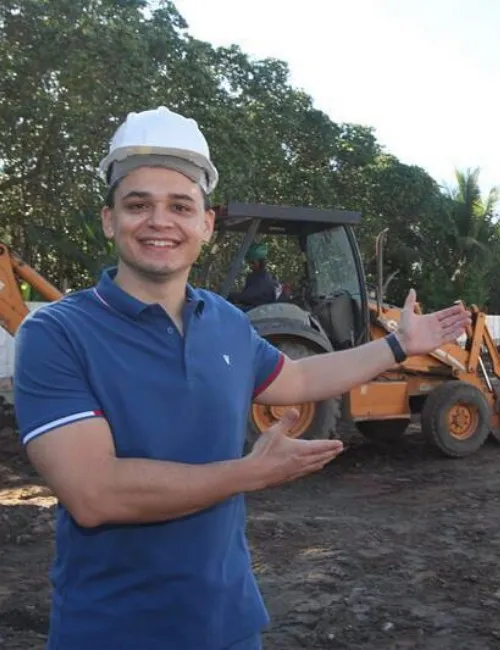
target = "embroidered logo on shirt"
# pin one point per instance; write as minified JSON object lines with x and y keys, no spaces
{"x":227,"y":359}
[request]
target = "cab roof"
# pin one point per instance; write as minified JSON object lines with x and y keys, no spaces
{"x":236,"y":216}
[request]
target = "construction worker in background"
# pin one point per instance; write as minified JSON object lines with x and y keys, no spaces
{"x":132,"y":399}
{"x":260,"y":286}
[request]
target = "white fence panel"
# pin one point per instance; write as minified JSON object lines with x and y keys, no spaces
{"x":7,"y":347}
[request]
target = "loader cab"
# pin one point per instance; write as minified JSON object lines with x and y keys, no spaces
{"x":313,"y":252}
{"x":337,"y":286}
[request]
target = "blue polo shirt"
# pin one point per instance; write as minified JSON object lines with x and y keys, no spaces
{"x":184,"y":584}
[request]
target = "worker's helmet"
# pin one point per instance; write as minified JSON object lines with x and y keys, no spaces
{"x":257,"y":252}
{"x":160,"y":137}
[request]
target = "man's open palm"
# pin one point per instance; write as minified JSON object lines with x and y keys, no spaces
{"x":282,"y":459}
{"x":423,"y":333}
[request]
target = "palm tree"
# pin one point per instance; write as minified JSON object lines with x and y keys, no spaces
{"x":474,"y":224}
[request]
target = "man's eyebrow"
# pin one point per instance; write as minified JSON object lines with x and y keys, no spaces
{"x":182,"y":197}
{"x":145,"y":195}
{"x":136,"y":193}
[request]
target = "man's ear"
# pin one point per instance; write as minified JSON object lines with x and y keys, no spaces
{"x":208,"y":226}
{"x":107,"y":222}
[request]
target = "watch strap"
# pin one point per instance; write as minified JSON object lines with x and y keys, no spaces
{"x":396,"y":347}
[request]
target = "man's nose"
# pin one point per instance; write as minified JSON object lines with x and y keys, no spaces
{"x":161,"y":217}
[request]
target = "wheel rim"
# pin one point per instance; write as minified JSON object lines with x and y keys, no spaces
{"x":463,"y":420}
{"x":265,"y":416}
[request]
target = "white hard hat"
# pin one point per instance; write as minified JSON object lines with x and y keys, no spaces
{"x":161,"y":132}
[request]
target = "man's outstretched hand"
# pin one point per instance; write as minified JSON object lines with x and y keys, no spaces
{"x":423,"y":333}
{"x":276,"y":458}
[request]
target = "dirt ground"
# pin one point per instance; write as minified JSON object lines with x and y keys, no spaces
{"x":383,"y":550}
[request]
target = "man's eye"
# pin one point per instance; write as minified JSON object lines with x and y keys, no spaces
{"x":136,"y":207}
{"x":179,"y":207}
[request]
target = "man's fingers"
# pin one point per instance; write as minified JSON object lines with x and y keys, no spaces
{"x":316,"y":466}
{"x":449,"y":323}
{"x":448,"y":312}
{"x":410,"y":300}
{"x":320,"y":446}
{"x":450,"y":319}
{"x":307,"y":456}
{"x":312,"y":447}
{"x":323,"y":458}
{"x":452,"y":328}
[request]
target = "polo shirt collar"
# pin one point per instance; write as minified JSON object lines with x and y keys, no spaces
{"x":109,"y":293}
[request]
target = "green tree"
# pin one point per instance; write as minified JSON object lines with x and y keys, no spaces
{"x":70,"y":70}
{"x":73,"y":69}
{"x":474,"y":237}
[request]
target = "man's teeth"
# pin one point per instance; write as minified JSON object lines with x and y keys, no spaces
{"x":162,"y":244}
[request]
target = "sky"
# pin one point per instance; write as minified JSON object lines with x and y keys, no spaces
{"x":425,"y":75}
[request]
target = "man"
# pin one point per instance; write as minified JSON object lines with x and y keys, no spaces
{"x":260,"y":287}
{"x":132,"y":400}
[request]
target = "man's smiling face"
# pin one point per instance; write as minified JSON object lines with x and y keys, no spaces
{"x":158,"y":222}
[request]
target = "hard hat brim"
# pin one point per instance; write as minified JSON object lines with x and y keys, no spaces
{"x":197,"y":159}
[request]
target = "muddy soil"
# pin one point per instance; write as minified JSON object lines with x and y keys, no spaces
{"x":388,"y":550}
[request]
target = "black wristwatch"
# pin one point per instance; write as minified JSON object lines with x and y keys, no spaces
{"x":396,"y":347}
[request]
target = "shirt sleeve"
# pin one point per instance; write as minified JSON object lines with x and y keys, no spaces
{"x":268,"y":362}
{"x":50,"y":387}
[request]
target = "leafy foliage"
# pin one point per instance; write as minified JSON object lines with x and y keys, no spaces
{"x":73,"y":69}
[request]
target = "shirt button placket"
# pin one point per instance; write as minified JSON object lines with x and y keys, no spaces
{"x":187,"y":342}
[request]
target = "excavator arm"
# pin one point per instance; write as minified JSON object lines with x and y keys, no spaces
{"x":13,"y":308}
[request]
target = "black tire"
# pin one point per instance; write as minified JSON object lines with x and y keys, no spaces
{"x":327,"y":414}
{"x":5,"y":411}
{"x":383,"y":432}
{"x":472,"y":418}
